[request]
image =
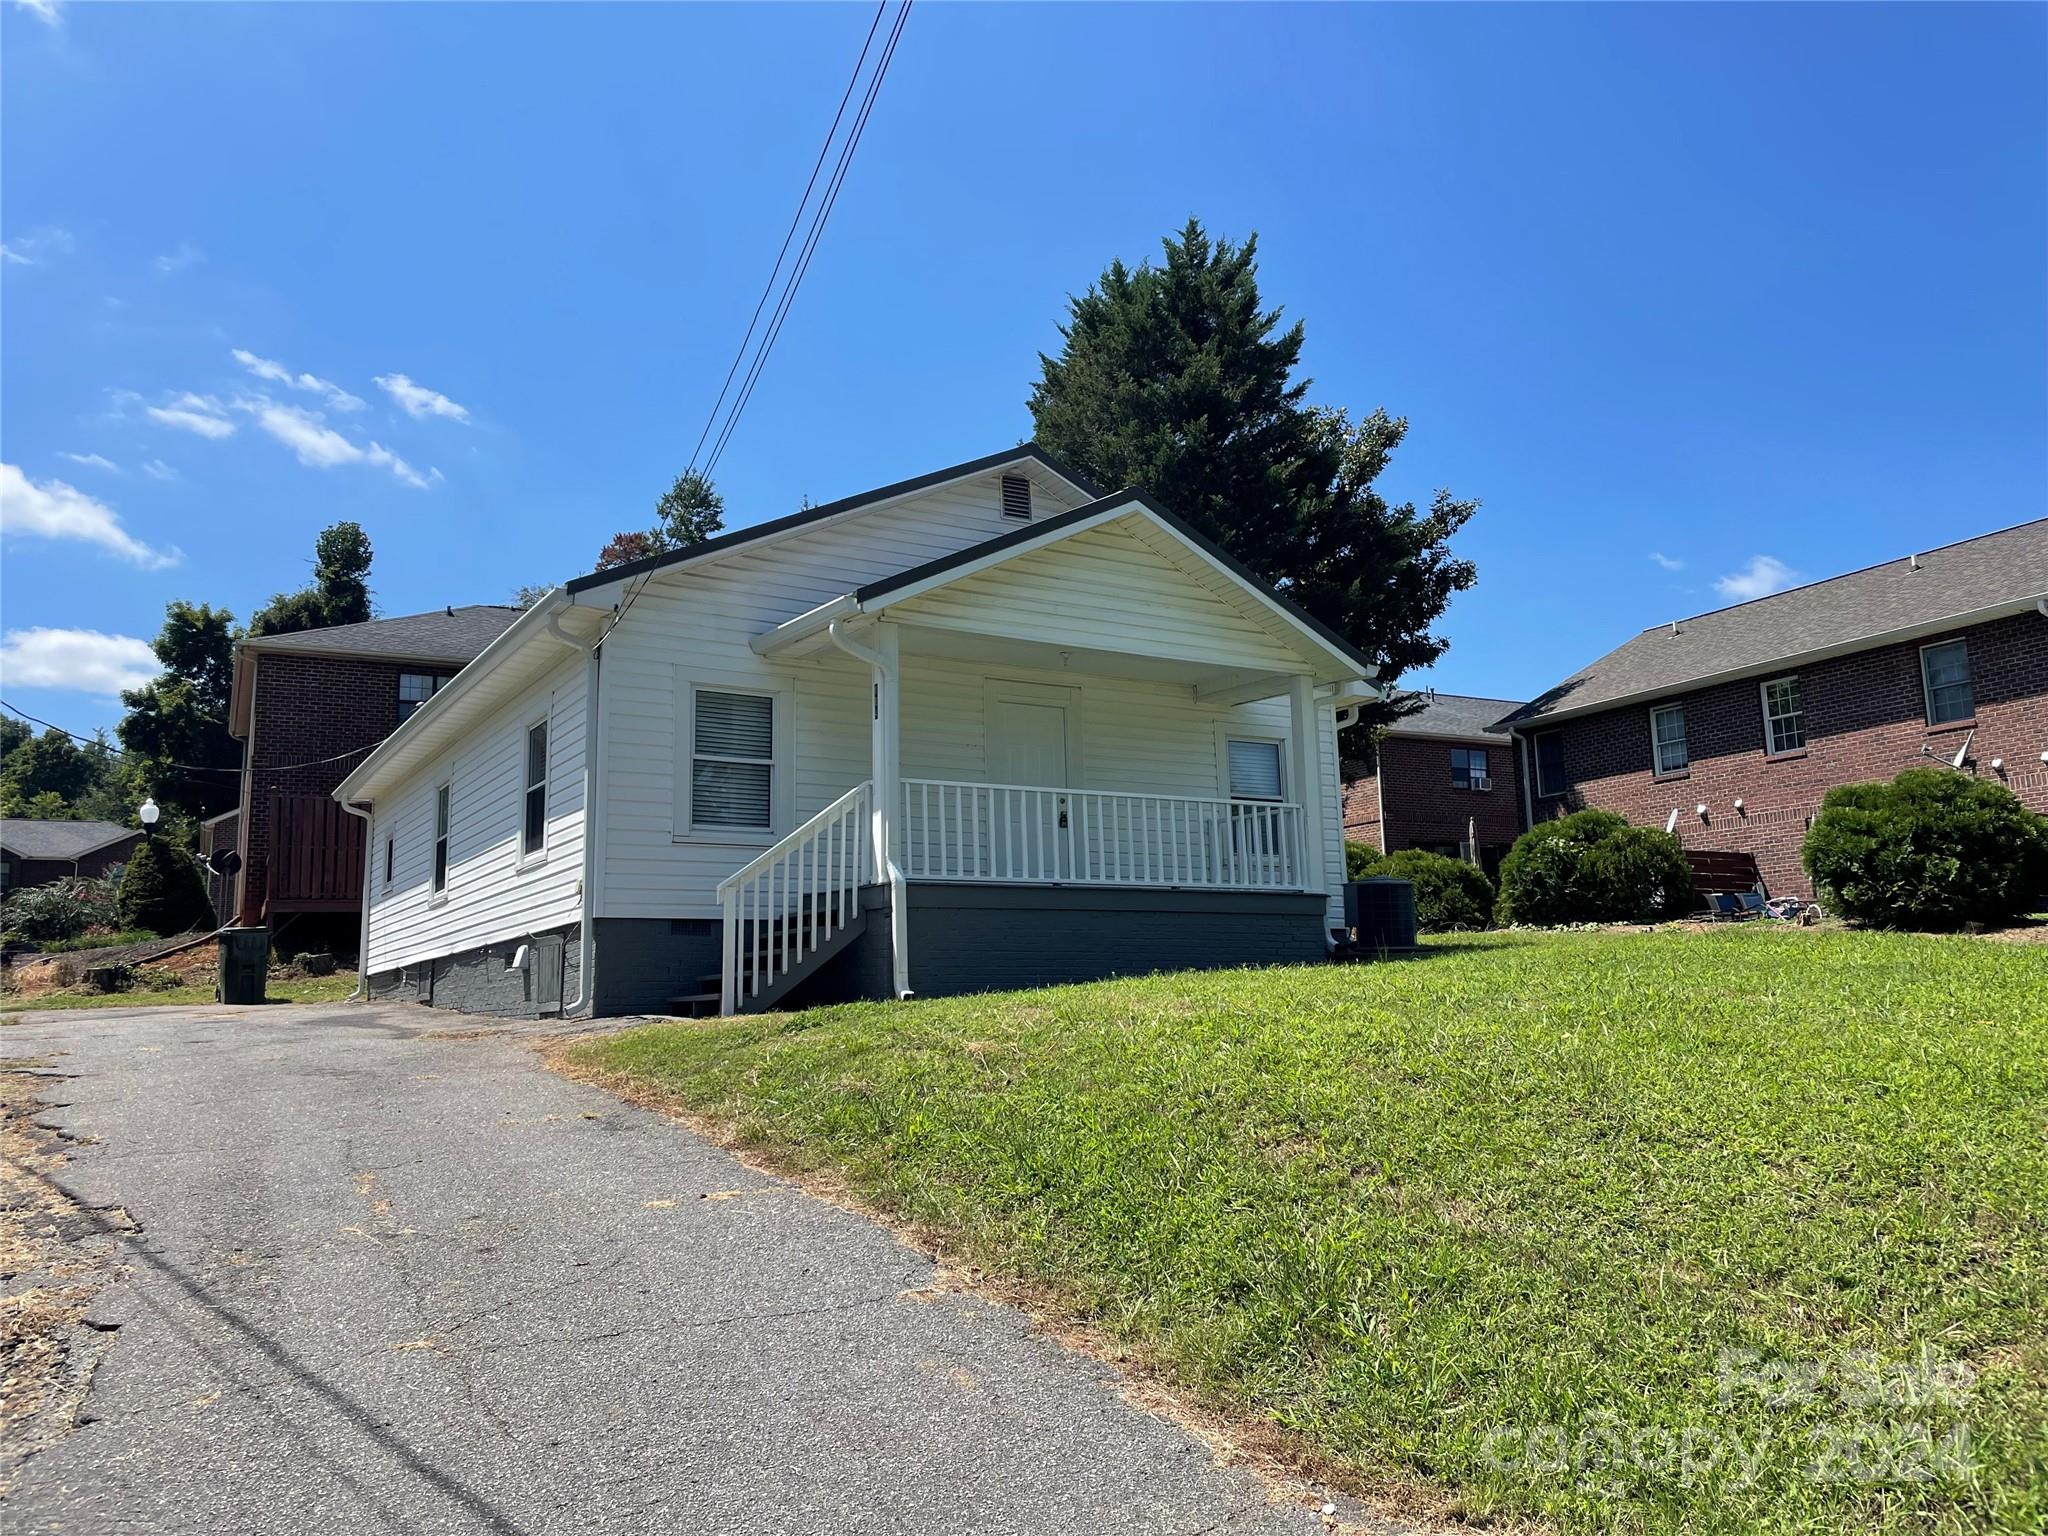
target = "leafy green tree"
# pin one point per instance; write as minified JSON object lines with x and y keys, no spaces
{"x":340,"y":591}
{"x":176,"y":728}
{"x":689,"y":512}
{"x":1178,"y":380}
{"x":13,"y":733}
{"x":51,"y":764}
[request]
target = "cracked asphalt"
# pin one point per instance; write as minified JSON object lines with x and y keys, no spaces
{"x":380,"y":1280}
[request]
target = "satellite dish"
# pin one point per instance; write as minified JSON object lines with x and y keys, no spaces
{"x":224,"y":861}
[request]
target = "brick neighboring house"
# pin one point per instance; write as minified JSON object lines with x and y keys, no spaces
{"x":37,"y":852}
{"x":1737,"y":722}
{"x":1443,"y":773}
{"x":308,"y":707}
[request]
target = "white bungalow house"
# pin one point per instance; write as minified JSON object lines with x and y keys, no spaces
{"x":984,"y":728}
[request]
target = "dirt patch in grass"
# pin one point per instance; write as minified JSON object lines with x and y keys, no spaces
{"x":55,"y":1257}
{"x":1292,"y":1471}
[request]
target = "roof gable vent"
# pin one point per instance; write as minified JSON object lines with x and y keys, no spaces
{"x":1017,"y":497}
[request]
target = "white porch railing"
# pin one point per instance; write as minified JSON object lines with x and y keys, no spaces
{"x":952,"y":829}
{"x":789,"y":900}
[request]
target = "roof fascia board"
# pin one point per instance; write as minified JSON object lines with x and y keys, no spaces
{"x":764,"y":535}
{"x":1899,"y":636}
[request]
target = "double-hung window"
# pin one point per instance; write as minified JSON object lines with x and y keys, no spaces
{"x":1784,"y":716}
{"x":533,"y":832}
{"x":415,"y":688}
{"x":1667,"y":740}
{"x":732,"y":760}
{"x":1468,"y":768}
{"x":1254,"y":769}
{"x":441,"y":837}
{"x":1945,"y":678}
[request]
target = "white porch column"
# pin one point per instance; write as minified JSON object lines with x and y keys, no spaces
{"x":887,"y":743}
{"x":1304,"y":738}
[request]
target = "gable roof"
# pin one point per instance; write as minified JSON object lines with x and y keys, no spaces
{"x":1455,"y":714}
{"x":1968,"y":582}
{"x":446,"y":634}
{"x":59,"y":839}
{"x":1022,"y":453}
{"x":975,"y":557}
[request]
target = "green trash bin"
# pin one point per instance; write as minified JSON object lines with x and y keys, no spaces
{"x":244,"y":961}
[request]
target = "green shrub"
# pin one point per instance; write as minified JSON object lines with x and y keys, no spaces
{"x":1933,"y":849}
{"x":1359,"y":859}
{"x":1593,"y":867}
{"x":163,"y":890}
{"x":63,"y":909}
{"x":1450,"y":895}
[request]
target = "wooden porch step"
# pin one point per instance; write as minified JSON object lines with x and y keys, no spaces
{"x":696,"y":1005}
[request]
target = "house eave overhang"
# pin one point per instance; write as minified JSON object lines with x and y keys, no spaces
{"x":1523,"y":724}
{"x":1334,"y":656}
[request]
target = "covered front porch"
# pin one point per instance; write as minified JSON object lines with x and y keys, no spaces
{"x":1101,"y":722}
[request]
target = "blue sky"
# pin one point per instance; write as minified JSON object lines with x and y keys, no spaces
{"x":1705,"y":284}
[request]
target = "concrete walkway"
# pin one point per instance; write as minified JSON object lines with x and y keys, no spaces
{"x":386,"y":1279}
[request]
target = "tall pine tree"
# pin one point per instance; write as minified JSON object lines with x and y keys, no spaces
{"x":1177,"y":379}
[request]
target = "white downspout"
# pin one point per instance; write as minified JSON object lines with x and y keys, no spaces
{"x":593,"y":763}
{"x":885,"y":664}
{"x":1522,"y":773}
{"x":369,"y":820}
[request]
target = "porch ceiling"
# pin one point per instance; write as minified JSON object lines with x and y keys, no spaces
{"x":1046,"y":656}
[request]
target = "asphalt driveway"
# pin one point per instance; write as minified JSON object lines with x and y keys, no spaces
{"x":385,"y":1278}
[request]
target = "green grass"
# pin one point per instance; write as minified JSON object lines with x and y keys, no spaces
{"x":1425,"y":1214}
{"x":309,"y":989}
{"x":96,"y":941}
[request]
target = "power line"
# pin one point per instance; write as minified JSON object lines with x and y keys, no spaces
{"x":156,"y":763}
{"x":794,"y":220}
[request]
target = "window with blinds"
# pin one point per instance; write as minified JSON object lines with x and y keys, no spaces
{"x":1254,"y":770}
{"x":732,"y":760}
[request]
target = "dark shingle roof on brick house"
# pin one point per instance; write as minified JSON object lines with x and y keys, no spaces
{"x":1456,"y":714}
{"x":446,"y":634}
{"x":58,"y":839}
{"x":1921,"y":594}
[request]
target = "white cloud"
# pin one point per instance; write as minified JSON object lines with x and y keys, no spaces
{"x":157,"y":469}
{"x":194,"y":413}
{"x":186,"y":255}
{"x":36,"y":247}
{"x":1667,"y":562}
{"x":50,"y":509}
{"x":48,"y":12}
{"x":319,"y":446}
{"x":334,"y":395}
{"x":93,"y":461}
{"x":419,"y":401}
{"x":83,"y":660}
{"x":1763,"y":575}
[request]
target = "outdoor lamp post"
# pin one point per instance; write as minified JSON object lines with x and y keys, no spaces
{"x":147,"y":814}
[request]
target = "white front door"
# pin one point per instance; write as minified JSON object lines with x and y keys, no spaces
{"x":1027,"y":745}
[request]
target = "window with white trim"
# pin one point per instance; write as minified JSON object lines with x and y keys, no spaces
{"x":441,"y":807}
{"x":1784,"y":715}
{"x":732,"y":760}
{"x":1254,"y":769}
{"x":1468,"y":768}
{"x":1550,"y":775}
{"x":533,"y":831}
{"x":1667,"y":740}
{"x":390,"y":857}
{"x":415,"y":688}
{"x":1945,"y":679}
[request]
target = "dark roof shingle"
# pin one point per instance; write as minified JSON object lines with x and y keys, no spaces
{"x":58,"y":839}
{"x":1836,"y":615}
{"x":446,"y":634}
{"x":1456,"y":714}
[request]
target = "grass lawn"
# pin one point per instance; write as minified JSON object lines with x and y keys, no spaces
{"x":309,"y":989}
{"x":1738,"y":1230}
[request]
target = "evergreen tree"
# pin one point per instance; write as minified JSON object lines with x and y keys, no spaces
{"x":1178,"y":380}
{"x":340,"y":591}
{"x":689,"y":512}
{"x":162,"y":889}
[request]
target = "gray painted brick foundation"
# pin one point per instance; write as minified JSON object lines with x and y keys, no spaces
{"x":642,"y":962}
{"x":478,"y":981}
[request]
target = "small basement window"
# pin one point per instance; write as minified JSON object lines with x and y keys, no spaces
{"x":732,"y":760}
{"x":441,"y":838}
{"x":533,"y":836}
{"x":1017,"y":497}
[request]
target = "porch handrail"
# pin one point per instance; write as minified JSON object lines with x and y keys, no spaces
{"x":962,"y":829}
{"x":789,"y":899}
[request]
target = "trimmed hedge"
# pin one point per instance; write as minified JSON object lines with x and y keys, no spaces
{"x":1933,"y":849}
{"x":1593,"y":867}
{"x":1450,"y":895}
{"x":162,"y":889}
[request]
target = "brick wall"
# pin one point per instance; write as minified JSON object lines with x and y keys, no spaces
{"x":1422,"y":807}
{"x":1865,"y":719}
{"x":309,"y":708}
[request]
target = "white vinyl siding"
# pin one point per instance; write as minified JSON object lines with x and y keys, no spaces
{"x":1945,"y":678}
{"x":494,"y":891}
{"x":1668,"y":754}
{"x":1784,"y":701}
